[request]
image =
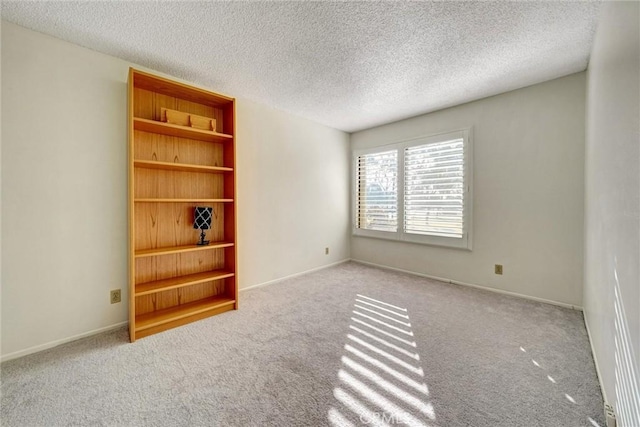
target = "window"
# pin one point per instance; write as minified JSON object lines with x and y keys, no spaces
{"x":378,"y":191}
{"x":417,"y":191}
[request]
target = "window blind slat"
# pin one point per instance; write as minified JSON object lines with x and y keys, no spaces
{"x":449,"y":146}
{"x":446,"y":180}
{"x":448,"y":164}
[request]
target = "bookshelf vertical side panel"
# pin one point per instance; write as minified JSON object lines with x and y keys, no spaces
{"x":131,"y":206}
{"x":230,"y":189}
{"x":231,"y":283}
{"x":229,"y":118}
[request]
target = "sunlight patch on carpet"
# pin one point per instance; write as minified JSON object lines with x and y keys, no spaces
{"x":381,"y":377}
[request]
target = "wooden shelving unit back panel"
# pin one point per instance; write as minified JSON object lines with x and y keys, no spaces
{"x":148,"y":105}
{"x":164,"y":184}
{"x":171,"y":149}
{"x":173,"y":169}
{"x":171,"y":224}
{"x":146,"y":304}
{"x":149,"y":288}
{"x":161,"y":85}
{"x":149,"y":269}
{"x":181,"y":315}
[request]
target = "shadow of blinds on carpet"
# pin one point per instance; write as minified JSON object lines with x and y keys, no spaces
{"x":381,"y":377}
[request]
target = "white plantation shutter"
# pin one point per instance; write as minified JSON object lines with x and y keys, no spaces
{"x":377,"y":191}
{"x":418,"y":190}
{"x":434,"y":189}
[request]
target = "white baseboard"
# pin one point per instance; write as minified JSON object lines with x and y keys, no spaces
{"x":291,"y":276}
{"x":56,"y":343}
{"x":471,"y":285}
{"x":595,"y":358}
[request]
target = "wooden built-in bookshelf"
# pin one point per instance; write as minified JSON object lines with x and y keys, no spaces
{"x":172,"y":170}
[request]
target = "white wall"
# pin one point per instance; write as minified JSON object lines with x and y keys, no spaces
{"x":612,"y":207}
{"x":294,"y":194}
{"x":64,"y":191}
{"x":528,"y":192}
{"x":64,"y":186}
{"x":0,"y":190}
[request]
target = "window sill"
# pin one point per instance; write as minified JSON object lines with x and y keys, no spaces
{"x":416,"y":241}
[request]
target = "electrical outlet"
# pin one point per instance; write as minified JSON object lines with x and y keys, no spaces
{"x":326,"y":251}
{"x":498,"y":269}
{"x":610,"y":416}
{"x":116,"y":296}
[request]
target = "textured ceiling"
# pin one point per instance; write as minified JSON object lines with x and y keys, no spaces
{"x":348,"y":65}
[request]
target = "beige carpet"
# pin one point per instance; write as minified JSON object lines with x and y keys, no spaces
{"x":348,"y":345}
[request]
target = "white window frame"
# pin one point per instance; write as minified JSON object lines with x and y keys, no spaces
{"x":461,"y":243}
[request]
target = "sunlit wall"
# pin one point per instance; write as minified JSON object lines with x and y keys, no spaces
{"x":612,"y":207}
